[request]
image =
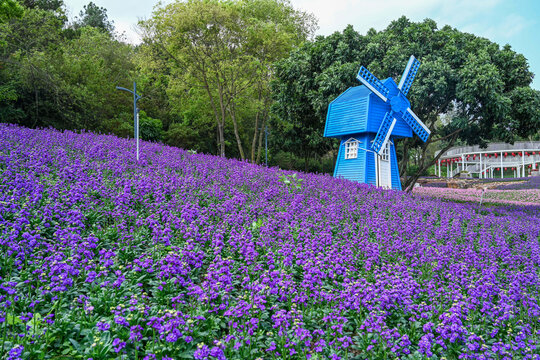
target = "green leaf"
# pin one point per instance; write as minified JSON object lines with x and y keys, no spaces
{"x":76,"y":345}
{"x":12,"y":320}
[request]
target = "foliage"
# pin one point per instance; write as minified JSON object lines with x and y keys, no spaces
{"x":94,"y":16}
{"x":54,"y":7}
{"x":224,"y":51}
{"x":481,"y":88}
{"x":65,"y":83}
{"x":10,"y":9}
{"x":289,"y":161}
{"x":196,"y":256}
{"x":291,"y":181}
{"x":150,"y":129}
{"x":121,"y":125}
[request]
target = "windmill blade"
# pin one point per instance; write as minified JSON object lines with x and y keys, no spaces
{"x":385,"y":130}
{"x":408,"y":75}
{"x":372,"y":83}
{"x":416,"y":124}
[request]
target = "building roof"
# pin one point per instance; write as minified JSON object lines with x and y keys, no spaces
{"x":492,"y":148}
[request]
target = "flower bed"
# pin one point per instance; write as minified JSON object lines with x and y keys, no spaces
{"x":528,"y":197}
{"x":195,"y":256}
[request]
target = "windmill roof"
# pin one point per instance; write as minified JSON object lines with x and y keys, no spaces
{"x":353,"y":93}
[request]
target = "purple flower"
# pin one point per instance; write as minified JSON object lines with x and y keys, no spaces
{"x":118,"y":345}
{"x":15,"y":353}
{"x":202,"y":352}
{"x":135,"y":333}
{"x":103,"y":326}
{"x":272,"y":346}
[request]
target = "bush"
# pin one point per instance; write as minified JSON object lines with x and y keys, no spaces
{"x":289,"y":161}
{"x":122,"y":125}
{"x":150,"y":129}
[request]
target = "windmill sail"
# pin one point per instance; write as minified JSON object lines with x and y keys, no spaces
{"x":416,"y":124}
{"x":408,"y":75}
{"x":372,"y":83}
{"x":384,"y":132}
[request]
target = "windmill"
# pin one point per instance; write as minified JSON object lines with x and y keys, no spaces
{"x":368,"y":119}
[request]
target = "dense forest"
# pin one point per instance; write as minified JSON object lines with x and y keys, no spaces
{"x":218,"y":76}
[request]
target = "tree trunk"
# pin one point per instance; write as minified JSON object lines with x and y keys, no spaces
{"x":232,"y":112}
{"x":255,"y":136}
{"x":222,"y":124}
{"x":409,"y":184}
{"x":259,"y":151}
{"x":220,"y":130}
{"x":404,"y":160}
{"x":256,"y":130}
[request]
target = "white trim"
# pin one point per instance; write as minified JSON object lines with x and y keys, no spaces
{"x":351,"y":147}
{"x":406,"y":72}
{"x":370,"y":87}
{"x":351,"y":139}
{"x":376,"y":169}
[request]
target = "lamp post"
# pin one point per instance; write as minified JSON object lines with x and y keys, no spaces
{"x":135,"y":113}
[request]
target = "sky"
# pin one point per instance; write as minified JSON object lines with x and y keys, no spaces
{"x":514,"y":22}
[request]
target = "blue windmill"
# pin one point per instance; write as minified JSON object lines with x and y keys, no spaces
{"x":368,"y":119}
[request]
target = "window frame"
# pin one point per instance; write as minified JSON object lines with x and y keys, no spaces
{"x":385,"y":154}
{"x":351,"y":149}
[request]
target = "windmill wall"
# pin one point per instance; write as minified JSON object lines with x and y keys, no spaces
{"x":351,"y":169}
{"x":396,"y":183}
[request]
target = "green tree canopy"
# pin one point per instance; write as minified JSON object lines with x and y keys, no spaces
{"x":10,"y":9}
{"x":51,"y":80}
{"x":468,"y":88}
{"x":224,"y":49}
{"x":94,"y":16}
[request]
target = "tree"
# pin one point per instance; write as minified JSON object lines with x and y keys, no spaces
{"x":48,"y":5}
{"x":10,"y":9}
{"x":223,"y":48}
{"x":55,"y":7}
{"x":96,"y":17}
{"x":25,"y":40}
{"x":468,"y":88}
{"x":49,"y":80}
{"x":305,"y":83}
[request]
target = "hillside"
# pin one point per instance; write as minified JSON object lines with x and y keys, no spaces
{"x":185,"y":255}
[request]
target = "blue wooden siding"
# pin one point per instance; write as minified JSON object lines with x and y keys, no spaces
{"x":351,"y":169}
{"x":396,"y":183}
{"x":362,"y":169}
{"x":347,"y":114}
{"x":371,"y":177}
{"x":339,"y":156}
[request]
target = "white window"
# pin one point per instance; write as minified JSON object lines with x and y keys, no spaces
{"x":351,"y":149}
{"x":385,"y":154}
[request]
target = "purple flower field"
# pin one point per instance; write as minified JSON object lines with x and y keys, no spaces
{"x":186,"y":256}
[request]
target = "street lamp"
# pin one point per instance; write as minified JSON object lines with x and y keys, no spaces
{"x":135,"y":113}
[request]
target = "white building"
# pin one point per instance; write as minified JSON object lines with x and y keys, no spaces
{"x":498,"y":160}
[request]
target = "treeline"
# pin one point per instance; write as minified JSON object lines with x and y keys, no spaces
{"x":215,"y":75}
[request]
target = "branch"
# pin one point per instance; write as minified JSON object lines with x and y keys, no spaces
{"x":409,"y":185}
